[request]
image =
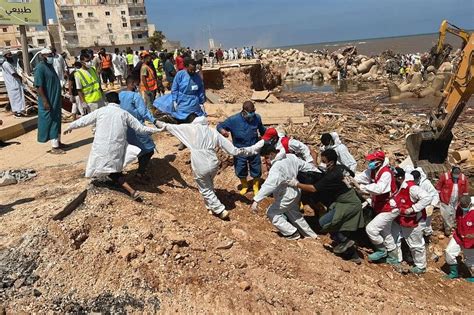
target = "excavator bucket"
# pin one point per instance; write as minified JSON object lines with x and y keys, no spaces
{"x":428,"y":152}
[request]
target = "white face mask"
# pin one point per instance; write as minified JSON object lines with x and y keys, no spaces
{"x":88,"y":64}
{"x":49,"y":60}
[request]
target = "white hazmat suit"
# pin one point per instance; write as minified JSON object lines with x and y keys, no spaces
{"x":203,"y":142}
{"x":284,"y":212}
{"x":296,"y":147}
{"x":110,"y":149}
{"x":344,"y":157}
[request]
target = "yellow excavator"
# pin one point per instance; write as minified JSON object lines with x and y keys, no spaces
{"x":429,"y":149}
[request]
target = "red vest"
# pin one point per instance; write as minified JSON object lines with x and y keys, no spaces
{"x":464,"y":233}
{"x":381,"y":203}
{"x":403,"y":201}
{"x":285,"y":142}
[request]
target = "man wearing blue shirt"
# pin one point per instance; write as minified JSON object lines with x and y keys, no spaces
{"x":246,"y":128}
{"x":132,"y":102}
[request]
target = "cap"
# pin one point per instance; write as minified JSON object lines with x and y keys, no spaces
{"x":377,"y":155}
{"x":270,"y":133}
{"x":46,"y":51}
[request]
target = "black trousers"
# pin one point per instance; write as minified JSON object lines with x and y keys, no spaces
{"x":143,"y":161}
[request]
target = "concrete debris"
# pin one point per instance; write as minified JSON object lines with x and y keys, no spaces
{"x":11,"y":177}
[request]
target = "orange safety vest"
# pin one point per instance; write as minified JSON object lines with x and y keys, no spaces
{"x":106,"y":61}
{"x":151,"y":83}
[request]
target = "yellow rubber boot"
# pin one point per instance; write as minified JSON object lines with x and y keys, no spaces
{"x":245,"y":186}
{"x":256,"y":185}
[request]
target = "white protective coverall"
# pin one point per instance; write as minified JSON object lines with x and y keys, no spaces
{"x":413,"y":236}
{"x":284,"y":213}
{"x":16,"y":94}
{"x":344,"y":157}
{"x":203,"y":142}
{"x":427,"y":186}
{"x":110,"y":150}
{"x":295,"y":147}
{"x":380,"y":228}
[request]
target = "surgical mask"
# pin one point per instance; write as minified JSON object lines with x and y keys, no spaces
{"x":88,"y":64}
{"x":49,"y":60}
{"x":455,"y":177}
{"x":372,"y":165}
{"x":466,"y":209}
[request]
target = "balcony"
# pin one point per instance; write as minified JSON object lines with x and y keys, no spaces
{"x":140,"y":40}
{"x":138,"y":17}
{"x":72,"y":44}
{"x":70,"y":32}
{"x":67,"y":20}
{"x":140,"y":28}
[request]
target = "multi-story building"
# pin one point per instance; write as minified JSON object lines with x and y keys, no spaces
{"x":36,"y":37}
{"x":102,"y":23}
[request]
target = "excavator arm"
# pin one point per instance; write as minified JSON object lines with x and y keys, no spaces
{"x":429,"y":149}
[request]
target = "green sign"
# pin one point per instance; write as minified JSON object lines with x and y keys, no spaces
{"x":22,"y":12}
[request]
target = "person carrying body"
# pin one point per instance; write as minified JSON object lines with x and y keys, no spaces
{"x":203,"y":142}
{"x":410,"y":201}
{"x":462,"y":239}
{"x":245,"y":127}
{"x":451,"y":186}
{"x":110,"y":150}
{"x":284,"y":212}
{"x":285,"y":145}
{"x":132,"y":102}
{"x":421,"y":180}
{"x":378,"y":181}
{"x":344,"y":157}
{"x":344,"y":213}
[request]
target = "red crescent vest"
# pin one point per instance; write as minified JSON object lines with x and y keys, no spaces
{"x":464,"y":233}
{"x":381,"y":203}
{"x":403,"y":200}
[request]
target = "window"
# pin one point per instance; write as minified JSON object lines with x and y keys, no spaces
{"x":126,"y":36}
{"x":140,"y":36}
{"x":107,"y":13}
{"x":5,"y":29}
{"x":123,"y":12}
{"x":8,"y":43}
{"x":79,"y":14}
{"x":109,"y":25}
{"x":138,"y":24}
{"x":124,"y":24}
{"x":90,"y":14}
{"x":142,"y":48}
{"x":111,"y":38}
{"x":141,"y":12}
{"x":41,"y":41}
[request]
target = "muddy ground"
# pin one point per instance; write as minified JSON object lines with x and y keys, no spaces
{"x":167,"y":254}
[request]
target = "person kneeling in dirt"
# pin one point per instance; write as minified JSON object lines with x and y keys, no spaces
{"x":410,"y":201}
{"x":462,"y":239}
{"x":110,"y":150}
{"x":203,"y":143}
{"x":345,"y":210}
{"x":284,"y":212}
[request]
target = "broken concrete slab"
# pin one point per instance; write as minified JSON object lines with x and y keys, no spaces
{"x":260,"y":96}
{"x":213,"y":98}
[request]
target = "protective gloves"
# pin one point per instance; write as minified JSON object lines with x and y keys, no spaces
{"x":292,"y":182}
{"x":254,"y":207}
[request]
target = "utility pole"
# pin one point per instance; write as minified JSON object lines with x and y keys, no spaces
{"x":24,"y":50}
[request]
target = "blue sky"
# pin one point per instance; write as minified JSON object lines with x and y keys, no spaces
{"x":267,"y":23}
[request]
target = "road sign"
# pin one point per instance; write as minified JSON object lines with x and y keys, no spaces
{"x":22,"y":12}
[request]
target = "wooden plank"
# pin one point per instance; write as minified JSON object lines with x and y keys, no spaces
{"x":265,"y":110}
{"x":260,"y":95}
{"x":70,"y":207}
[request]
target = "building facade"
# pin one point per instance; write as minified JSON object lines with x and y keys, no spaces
{"x":94,"y":24}
{"x":36,"y":37}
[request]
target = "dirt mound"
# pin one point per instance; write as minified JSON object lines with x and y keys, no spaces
{"x":168,"y":254}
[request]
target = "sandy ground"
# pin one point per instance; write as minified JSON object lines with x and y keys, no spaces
{"x":168,"y":254}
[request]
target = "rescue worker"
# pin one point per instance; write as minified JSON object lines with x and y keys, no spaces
{"x":344,"y":213}
{"x":409,"y":201}
{"x":188,"y":94}
{"x":130,"y":60}
{"x":379,"y":182}
{"x":462,"y":239}
{"x":148,"y":82}
{"x":284,"y":212}
{"x":245,"y":127}
{"x":451,"y":186}
{"x":133,"y":103}
{"x":88,"y":84}
{"x":344,"y":157}
{"x":106,"y":68}
{"x":285,"y":145}
{"x":110,"y":151}
{"x":203,"y":142}
{"x":158,"y":65}
{"x":420,"y":179}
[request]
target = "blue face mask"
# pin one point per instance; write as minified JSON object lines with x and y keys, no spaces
{"x":372,"y":165}
{"x":466,"y":209}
